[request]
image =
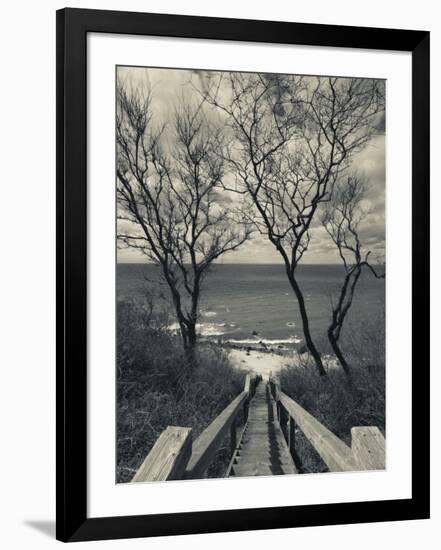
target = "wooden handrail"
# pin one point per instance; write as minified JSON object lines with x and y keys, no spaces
{"x":367,"y":451}
{"x":168,"y":458}
{"x":207,"y":444}
{"x":337,"y":456}
{"x":247,"y":386}
{"x":172,"y":456}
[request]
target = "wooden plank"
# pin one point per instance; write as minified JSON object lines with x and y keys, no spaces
{"x":247,"y":386}
{"x":278,"y":457}
{"x":263,"y":449}
{"x":206,"y":445}
{"x":262,"y":444}
{"x":337,"y":456}
{"x":263,"y":469}
{"x":368,"y":447}
{"x":168,"y":458}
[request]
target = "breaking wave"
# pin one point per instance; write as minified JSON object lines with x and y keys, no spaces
{"x":204,"y":329}
{"x":266,"y":341}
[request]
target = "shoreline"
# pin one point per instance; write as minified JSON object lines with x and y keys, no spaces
{"x":269,"y":361}
{"x":258,"y":362}
{"x":260,"y":358}
{"x":281,"y":347}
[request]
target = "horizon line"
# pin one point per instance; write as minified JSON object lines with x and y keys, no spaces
{"x":240,"y":263}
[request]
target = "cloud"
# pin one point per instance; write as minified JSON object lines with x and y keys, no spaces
{"x":169,"y":85}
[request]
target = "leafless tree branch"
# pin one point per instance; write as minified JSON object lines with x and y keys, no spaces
{"x":292,"y":138}
{"x":170,"y":197}
{"x":341,"y":220}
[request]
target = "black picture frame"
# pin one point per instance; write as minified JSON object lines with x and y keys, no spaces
{"x":72,"y":28}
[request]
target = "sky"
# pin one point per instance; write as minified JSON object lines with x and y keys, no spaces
{"x":168,"y":85}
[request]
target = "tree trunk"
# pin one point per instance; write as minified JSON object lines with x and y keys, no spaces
{"x":305,"y":322}
{"x":192,"y":335}
{"x":190,"y":343}
{"x":339,"y":314}
{"x":338,"y":353}
{"x":184,"y":334}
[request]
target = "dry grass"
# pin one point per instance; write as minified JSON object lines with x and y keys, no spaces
{"x":332,"y":400}
{"x":156,"y":388}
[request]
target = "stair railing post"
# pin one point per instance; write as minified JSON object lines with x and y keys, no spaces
{"x":291,"y":435}
{"x":233,"y":437}
{"x":276,"y":395}
{"x":248,"y":384}
{"x":282,"y":420}
{"x":249,"y":387}
{"x":368,"y":448}
{"x":168,"y":457}
{"x":273,"y":388}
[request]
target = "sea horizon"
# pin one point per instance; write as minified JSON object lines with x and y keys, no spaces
{"x":246,"y":303}
{"x":252,"y":263}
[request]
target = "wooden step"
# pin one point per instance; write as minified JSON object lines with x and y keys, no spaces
{"x":263,"y":469}
{"x":263,"y":449}
{"x":264,"y":459}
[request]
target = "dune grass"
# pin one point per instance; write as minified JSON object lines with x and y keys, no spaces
{"x":337,"y":404}
{"x":156,"y":387}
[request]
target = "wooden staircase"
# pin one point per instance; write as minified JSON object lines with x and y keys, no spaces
{"x":261,"y":425}
{"x":262,"y":449}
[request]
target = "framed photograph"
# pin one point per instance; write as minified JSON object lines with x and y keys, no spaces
{"x":242,"y":274}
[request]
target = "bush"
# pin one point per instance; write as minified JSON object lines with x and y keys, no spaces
{"x":363,"y":339}
{"x":333,"y":401}
{"x":156,"y":387}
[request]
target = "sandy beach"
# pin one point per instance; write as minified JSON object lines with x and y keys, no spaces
{"x":260,"y":362}
{"x":267,"y":363}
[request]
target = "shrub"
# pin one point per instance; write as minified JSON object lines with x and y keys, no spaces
{"x":156,"y":387}
{"x":335,"y":403}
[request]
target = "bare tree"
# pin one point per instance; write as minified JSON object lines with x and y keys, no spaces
{"x":170,"y":199}
{"x":341,"y":219}
{"x":293,"y":136}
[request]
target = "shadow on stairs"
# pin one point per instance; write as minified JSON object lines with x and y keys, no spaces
{"x":262,"y":449}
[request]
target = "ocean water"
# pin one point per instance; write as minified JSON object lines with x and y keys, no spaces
{"x":246,"y":303}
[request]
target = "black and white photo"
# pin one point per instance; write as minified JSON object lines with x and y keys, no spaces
{"x":250,"y":275}
{"x":242,"y":274}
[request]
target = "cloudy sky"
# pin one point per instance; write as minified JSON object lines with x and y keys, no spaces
{"x":168,"y":85}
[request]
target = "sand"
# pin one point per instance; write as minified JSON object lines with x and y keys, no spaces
{"x":259,"y":362}
{"x":267,"y":363}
